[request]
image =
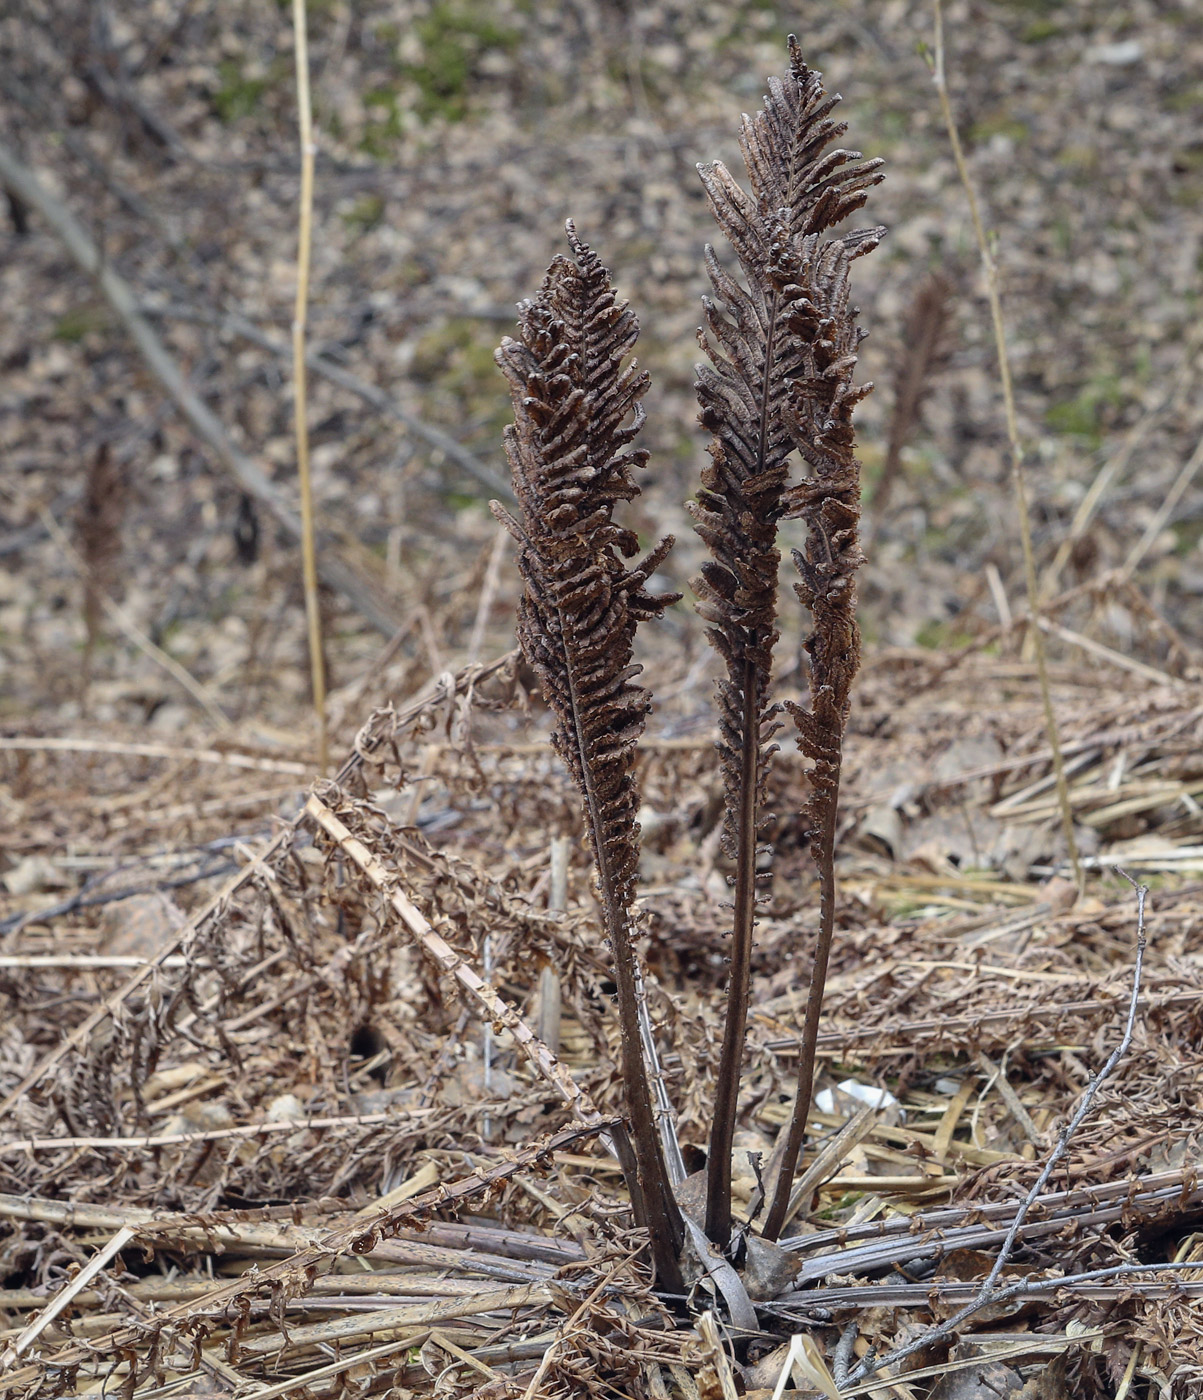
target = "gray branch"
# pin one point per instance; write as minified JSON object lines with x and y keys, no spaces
{"x":336,"y":573}
{"x":237,"y":324}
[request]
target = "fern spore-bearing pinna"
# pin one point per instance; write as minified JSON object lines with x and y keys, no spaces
{"x":764,"y":341}
{"x":576,"y":411}
{"x":827,"y":500}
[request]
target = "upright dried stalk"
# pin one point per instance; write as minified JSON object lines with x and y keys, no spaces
{"x":764,"y":348}
{"x":828,"y":501}
{"x":313,"y":616}
{"x":576,"y":410}
{"x":925,"y":350}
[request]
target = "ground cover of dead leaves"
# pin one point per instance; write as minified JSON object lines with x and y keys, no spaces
{"x":297,"y":1055}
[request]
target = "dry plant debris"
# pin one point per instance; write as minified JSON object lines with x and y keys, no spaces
{"x":304,"y":1051}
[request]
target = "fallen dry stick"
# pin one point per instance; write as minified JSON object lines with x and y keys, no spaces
{"x":495,"y":1007}
{"x":336,"y":573}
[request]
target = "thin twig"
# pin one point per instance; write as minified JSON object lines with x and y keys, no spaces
{"x":92,"y":898}
{"x":488,"y":594}
{"x":1108,"y":654}
{"x":1028,"y":1288}
{"x":430,"y":695}
{"x":1088,"y":1098}
{"x":494,"y":1006}
{"x":69,"y":744}
{"x":80,"y":1034}
{"x":442,"y":443}
{"x":313,"y":614}
{"x":1117,"y":463}
{"x":1018,"y":475}
{"x":145,"y":1142}
{"x":1164,"y":511}
{"x":662,"y":1108}
{"x":85,"y":1276}
{"x":358,"y":1236}
{"x":571,"y":1324}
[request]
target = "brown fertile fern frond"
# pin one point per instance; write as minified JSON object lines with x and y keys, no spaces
{"x":759,"y":341}
{"x":828,"y":502}
{"x":576,"y":411}
{"x":98,"y":530}
{"x":925,"y":350}
{"x":823,"y":396}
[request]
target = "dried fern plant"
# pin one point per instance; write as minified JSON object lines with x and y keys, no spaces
{"x":781,"y":349}
{"x":926,"y":347}
{"x":98,"y":533}
{"x":576,"y":411}
{"x":828,"y":502}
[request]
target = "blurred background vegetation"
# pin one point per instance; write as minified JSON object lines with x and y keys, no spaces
{"x":454,"y":139}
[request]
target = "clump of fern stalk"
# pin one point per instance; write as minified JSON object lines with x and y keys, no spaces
{"x":761,"y":395}
{"x":576,"y":411}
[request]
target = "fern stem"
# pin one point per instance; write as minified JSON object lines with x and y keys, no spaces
{"x":754,"y":684}
{"x":658,"y":1207}
{"x":825,"y":860}
{"x":722,"y":1132}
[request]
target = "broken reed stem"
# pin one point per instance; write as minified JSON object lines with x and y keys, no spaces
{"x":662,"y":1108}
{"x":496,"y":1009}
{"x":1018,"y":476}
{"x":313,"y":616}
{"x":358,"y":1236}
{"x":989,"y":1292}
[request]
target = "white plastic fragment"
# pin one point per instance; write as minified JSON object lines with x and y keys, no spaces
{"x":870,"y":1094}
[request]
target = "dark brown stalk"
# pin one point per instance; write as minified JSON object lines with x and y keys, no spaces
{"x":828,"y":502}
{"x":98,"y":530}
{"x":576,"y":409}
{"x":747,"y":395}
{"x":925,"y":348}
